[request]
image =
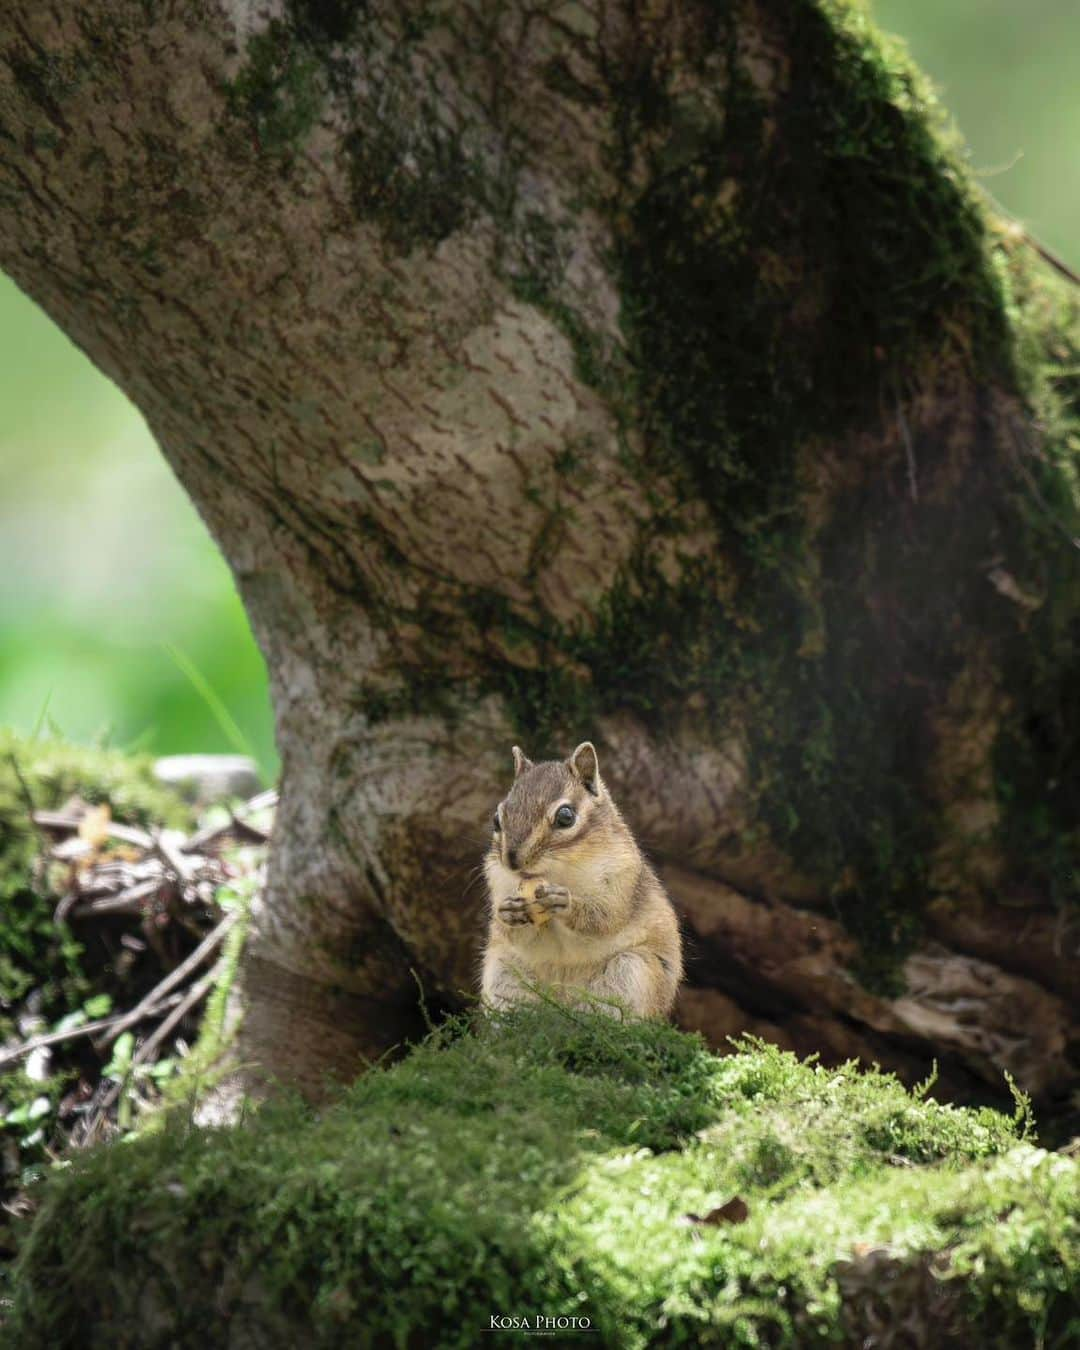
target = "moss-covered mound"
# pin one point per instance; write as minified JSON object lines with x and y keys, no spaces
{"x":555,"y":1165}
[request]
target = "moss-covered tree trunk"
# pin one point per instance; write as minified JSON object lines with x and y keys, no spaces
{"x":638,"y":371}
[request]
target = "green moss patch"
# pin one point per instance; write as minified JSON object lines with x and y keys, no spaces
{"x":549,"y":1164}
{"x":280,"y":90}
{"x":790,"y":272}
{"x":1036,"y":755}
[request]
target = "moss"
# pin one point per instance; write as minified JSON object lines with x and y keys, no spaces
{"x":1035,"y":756}
{"x":409,"y":174}
{"x":546,"y":1163}
{"x":50,"y":80}
{"x":280,"y":89}
{"x":416,"y":185}
{"x":748,"y":362}
{"x":203,"y":1067}
{"x":533,"y":268}
{"x":326,"y":21}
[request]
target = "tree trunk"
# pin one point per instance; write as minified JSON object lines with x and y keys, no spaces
{"x":643,"y":372}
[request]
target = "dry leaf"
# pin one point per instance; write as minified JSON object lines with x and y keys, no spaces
{"x":94,"y":826}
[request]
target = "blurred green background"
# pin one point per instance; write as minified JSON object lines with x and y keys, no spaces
{"x":114,"y":604}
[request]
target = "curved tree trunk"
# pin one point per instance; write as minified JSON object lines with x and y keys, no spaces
{"x":634,"y":371}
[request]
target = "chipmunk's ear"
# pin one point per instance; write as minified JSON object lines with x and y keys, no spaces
{"x":521,"y":761}
{"x":584,"y":765}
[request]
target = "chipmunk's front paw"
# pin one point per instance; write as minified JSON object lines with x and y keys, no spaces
{"x":514,"y":910}
{"x":551,"y":899}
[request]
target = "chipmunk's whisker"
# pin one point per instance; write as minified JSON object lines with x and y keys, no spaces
{"x":477,"y":874}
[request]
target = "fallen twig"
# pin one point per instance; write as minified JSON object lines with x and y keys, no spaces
{"x":184,"y":867}
{"x":163,"y":881}
{"x":236,"y":825}
{"x":71,"y":820}
{"x":84,"y":1029}
{"x":212,"y":940}
{"x":197,"y":992}
{"x":909,"y":451}
{"x":262,"y":802}
{"x":233,"y":827}
{"x":126,"y":902}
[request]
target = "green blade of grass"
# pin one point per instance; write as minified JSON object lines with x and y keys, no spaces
{"x":221,"y":715}
{"x":41,"y":717}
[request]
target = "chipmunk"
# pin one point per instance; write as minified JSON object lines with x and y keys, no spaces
{"x":574,"y":904}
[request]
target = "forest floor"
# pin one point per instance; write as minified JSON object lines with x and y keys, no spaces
{"x":549,"y":1172}
{"x":123,"y":907}
{"x":564,"y":1173}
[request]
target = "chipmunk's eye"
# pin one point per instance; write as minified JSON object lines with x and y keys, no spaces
{"x":564,"y":817}
{"x":498,"y":825}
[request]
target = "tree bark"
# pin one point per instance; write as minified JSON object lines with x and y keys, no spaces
{"x":636,"y":371}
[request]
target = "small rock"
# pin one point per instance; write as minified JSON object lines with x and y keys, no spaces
{"x":37,"y":1064}
{"x":209,"y":778}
